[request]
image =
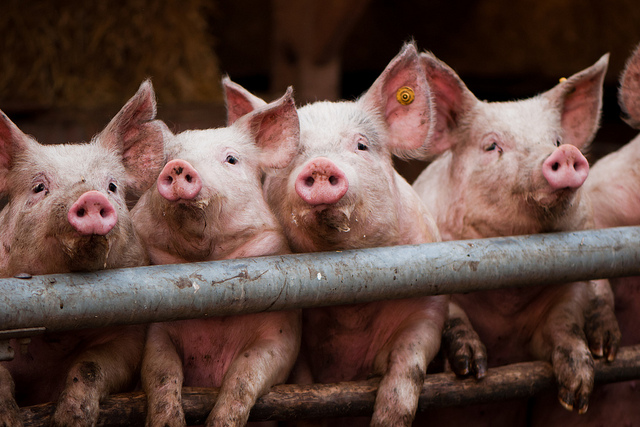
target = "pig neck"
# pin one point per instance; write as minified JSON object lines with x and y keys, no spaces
{"x":210,"y":235}
{"x":463,"y":215}
{"x":62,"y":249}
{"x":405,"y":221}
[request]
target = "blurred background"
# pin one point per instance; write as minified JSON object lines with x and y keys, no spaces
{"x":67,"y":66}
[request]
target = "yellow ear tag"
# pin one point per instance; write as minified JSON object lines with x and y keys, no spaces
{"x":563,"y":79}
{"x":405,"y":95}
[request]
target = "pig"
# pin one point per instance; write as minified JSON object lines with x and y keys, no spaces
{"x":341,"y":192}
{"x":510,"y":168}
{"x":613,"y":187}
{"x":207,"y":205}
{"x":66,"y":212}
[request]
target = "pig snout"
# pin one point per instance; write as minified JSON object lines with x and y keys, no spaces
{"x":565,"y":168}
{"x":321,"y":182}
{"x":179,"y":180}
{"x":92,"y":213}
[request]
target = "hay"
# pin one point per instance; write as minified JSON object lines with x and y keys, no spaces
{"x":88,"y":54}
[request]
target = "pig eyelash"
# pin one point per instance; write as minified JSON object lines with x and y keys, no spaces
{"x":493,"y":146}
{"x":232,"y":160}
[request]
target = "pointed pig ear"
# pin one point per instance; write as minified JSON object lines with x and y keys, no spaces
{"x":452,"y":101}
{"x":139,"y":138}
{"x":12,"y":142}
{"x":239,"y":100}
{"x":401,"y":96}
{"x":579,"y":99}
{"x":275,"y":129}
{"x":629,"y":95}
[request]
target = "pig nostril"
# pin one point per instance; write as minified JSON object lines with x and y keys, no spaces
{"x":188,"y":178}
{"x":309,"y":181}
{"x":80,"y":213}
{"x":102,"y":213}
{"x":333,"y":180}
{"x":169,"y":180}
{"x":555,"y":166}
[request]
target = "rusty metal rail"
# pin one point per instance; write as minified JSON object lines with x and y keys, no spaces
{"x":169,"y":292}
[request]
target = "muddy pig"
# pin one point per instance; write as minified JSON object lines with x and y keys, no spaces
{"x":207,"y":205}
{"x":509,"y":168}
{"x":613,"y":186}
{"x":341,"y":192}
{"x":66,"y":212}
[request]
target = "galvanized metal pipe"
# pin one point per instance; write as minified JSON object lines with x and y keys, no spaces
{"x":159,"y":293}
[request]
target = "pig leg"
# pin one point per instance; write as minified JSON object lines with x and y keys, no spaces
{"x":462,"y":346}
{"x":264,"y":362}
{"x":601,"y":325}
{"x":103,"y":368}
{"x":9,"y":412}
{"x":162,"y":378}
{"x":561,"y":339}
{"x":403,"y":361}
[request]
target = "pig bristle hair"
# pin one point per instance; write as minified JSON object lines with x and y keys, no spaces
{"x":629,"y":90}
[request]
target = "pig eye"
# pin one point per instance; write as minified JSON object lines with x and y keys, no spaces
{"x":112,"y":187}
{"x":231,"y":160}
{"x":39,"y":188}
{"x":362,"y":147}
{"x":558,"y":143}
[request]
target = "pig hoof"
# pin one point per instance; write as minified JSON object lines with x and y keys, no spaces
{"x":464,"y":349}
{"x":10,"y":414}
{"x":574,"y":372}
{"x":602,"y":330}
{"x":75,"y":414}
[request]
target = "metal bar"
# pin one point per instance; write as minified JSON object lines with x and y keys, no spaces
{"x":294,"y":401}
{"x":180,"y":291}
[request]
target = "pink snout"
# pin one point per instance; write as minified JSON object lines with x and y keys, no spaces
{"x":321,"y":182}
{"x":179,"y":180}
{"x":92,"y":213}
{"x":565,"y":168}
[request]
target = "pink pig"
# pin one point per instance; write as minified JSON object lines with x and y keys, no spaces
{"x":510,"y":168}
{"x":207,"y":205}
{"x":614,"y":188}
{"x":67,"y":212}
{"x":341,"y":192}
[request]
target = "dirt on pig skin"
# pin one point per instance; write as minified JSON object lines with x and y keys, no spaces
{"x":341,"y":192}
{"x":513,"y":168}
{"x":207,"y":205}
{"x":66,"y":212}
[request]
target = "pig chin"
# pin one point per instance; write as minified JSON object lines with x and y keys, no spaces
{"x":86,"y":253}
{"x":328,"y":218}
{"x":553,"y":199}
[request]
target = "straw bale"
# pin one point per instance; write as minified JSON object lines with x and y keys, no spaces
{"x":76,"y":53}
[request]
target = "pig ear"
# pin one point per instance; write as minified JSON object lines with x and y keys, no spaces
{"x":139,"y":138}
{"x":239,"y":100}
{"x":12,"y":141}
{"x":579,"y":99}
{"x":275,"y":129}
{"x":401,"y":96}
{"x":452,"y":101}
{"x":629,"y":96}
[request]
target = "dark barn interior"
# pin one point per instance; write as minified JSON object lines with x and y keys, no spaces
{"x":67,"y":67}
